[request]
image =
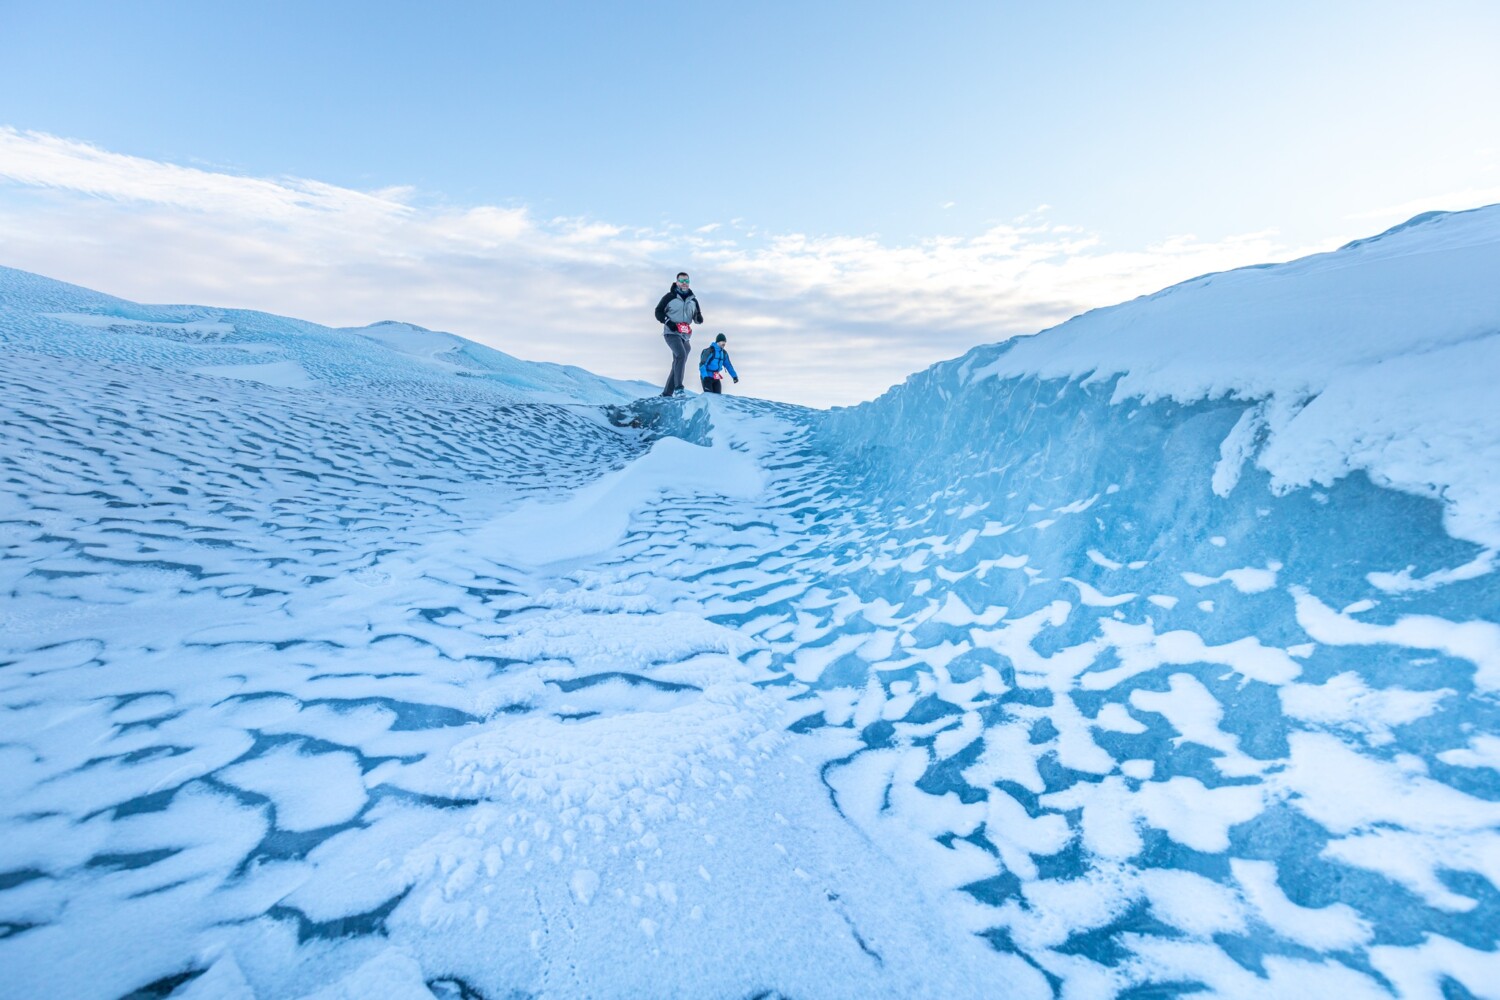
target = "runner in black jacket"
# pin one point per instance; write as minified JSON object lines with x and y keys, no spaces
{"x":676,"y":312}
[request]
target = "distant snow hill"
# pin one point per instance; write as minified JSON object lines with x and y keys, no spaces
{"x":1157,"y":654}
{"x":273,"y":350}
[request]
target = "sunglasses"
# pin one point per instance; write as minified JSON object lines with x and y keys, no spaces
{"x":682,"y":281}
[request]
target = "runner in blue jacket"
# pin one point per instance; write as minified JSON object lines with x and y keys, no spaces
{"x":712,"y":364}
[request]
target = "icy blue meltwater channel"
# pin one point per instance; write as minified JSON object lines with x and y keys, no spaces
{"x":336,"y":664}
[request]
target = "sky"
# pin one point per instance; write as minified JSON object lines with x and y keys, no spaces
{"x":859,"y":190}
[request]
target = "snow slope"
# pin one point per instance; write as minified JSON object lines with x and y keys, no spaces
{"x":274,"y":350}
{"x":1380,"y":357}
{"x":1127,"y":659}
{"x":538,"y":381}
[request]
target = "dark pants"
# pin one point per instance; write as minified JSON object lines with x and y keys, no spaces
{"x":679,"y":345}
{"x":713,"y":385}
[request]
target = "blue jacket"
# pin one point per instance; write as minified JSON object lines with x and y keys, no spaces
{"x":712,"y":359}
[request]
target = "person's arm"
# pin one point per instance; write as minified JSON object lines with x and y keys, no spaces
{"x":661,"y":308}
{"x":730,"y":365}
{"x":697,"y":312}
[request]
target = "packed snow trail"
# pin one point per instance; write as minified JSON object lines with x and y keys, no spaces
{"x":330,"y":671}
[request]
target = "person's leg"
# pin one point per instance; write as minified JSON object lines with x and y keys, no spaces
{"x":679,"y":346}
{"x":713,"y":385}
{"x":666,"y":390}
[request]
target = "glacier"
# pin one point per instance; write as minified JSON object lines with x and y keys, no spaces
{"x":1155,"y":654}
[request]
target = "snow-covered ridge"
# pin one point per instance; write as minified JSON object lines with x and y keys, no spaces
{"x":1376,"y":357}
{"x":1380,"y":356}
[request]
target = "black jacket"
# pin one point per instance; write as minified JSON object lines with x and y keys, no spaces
{"x":690,"y":302}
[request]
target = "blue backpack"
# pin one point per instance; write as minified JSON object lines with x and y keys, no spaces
{"x":712,"y":359}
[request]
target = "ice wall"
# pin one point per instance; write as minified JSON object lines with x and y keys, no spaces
{"x":1379,"y":357}
{"x":1212,"y":723}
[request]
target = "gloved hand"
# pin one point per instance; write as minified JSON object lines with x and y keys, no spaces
{"x":736,"y":381}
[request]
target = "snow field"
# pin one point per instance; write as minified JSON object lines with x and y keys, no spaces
{"x":1088,"y":677}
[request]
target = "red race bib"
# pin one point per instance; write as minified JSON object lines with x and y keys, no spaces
{"x":684,"y":329}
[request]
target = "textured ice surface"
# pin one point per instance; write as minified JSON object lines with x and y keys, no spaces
{"x":409,"y":681}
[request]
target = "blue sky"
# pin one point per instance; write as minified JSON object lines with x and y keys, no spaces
{"x":821,"y":167}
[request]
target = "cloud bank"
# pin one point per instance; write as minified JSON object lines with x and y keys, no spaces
{"x":818,"y":320}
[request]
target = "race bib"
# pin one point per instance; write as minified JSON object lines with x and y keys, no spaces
{"x":684,"y":329}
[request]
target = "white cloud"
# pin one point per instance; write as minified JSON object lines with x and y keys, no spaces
{"x":35,"y":159}
{"x":818,"y":320}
